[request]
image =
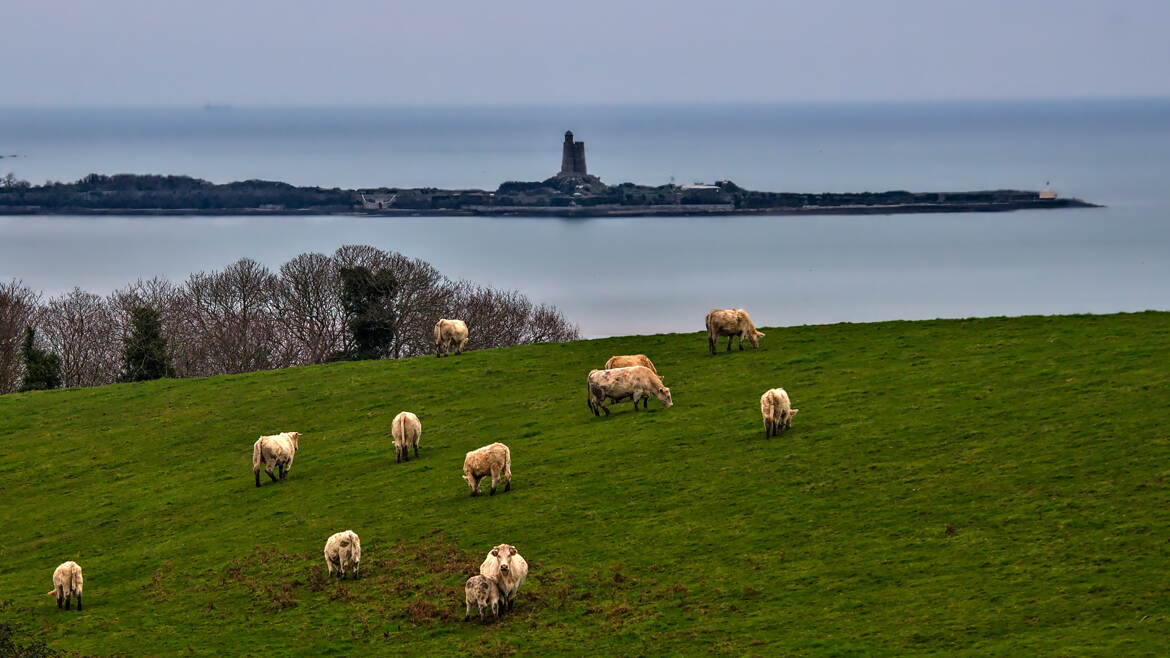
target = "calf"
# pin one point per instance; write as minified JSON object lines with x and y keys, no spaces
{"x":485,"y":593}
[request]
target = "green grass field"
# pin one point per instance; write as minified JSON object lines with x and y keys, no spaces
{"x":993,"y":486}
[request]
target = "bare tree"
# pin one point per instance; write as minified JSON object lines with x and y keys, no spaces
{"x":546,"y":324}
{"x":497,"y":318}
{"x":17,"y":306}
{"x":361,"y":255}
{"x":494,"y":318}
{"x":235,"y":315}
{"x":308,"y":300}
{"x":82,"y":331}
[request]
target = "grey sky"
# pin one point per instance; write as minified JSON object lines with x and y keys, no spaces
{"x":172,"y":52}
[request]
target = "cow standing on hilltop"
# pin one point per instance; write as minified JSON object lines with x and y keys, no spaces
{"x":731,"y":322}
{"x":450,"y":333}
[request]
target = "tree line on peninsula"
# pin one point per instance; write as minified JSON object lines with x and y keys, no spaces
{"x":359,"y":303}
{"x":153,"y":194}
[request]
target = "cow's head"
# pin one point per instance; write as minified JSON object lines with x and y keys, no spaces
{"x":663,"y":394}
{"x":503,"y":554}
{"x":294,"y":436}
{"x":786,"y":418}
{"x":755,"y":337}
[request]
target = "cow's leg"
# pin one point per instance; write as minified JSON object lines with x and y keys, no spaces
{"x":280,"y":470}
{"x":741,"y":342}
{"x":79,"y":603}
{"x":729,"y":342}
{"x":416,"y":448}
{"x":495,"y":479}
{"x":636,"y":399}
{"x":711,"y":343}
{"x":68,"y":598}
{"x":60,"y":597}
{"x":257,"y":474}
{"x":268,"y":470}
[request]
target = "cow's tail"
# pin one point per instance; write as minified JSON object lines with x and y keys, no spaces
{"x":257,"y":451}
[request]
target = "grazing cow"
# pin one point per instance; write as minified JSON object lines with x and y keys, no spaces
{"x":731,"y":322}
{"x":777,"y":412}
{"x":485,"y":593}
{"x":67,"y":583}
{"x":406,"y":429}
{"x":506,"y":566}
{"x":274,"y":452}
{"x":450,"y":333}
{"x":615,"y":384}
{"x":494,"y":460}
{"x":343,"y":551}
{"x":631,"y":360}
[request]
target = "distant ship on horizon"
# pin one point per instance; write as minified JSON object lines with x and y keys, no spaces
{"x":216,"y":107}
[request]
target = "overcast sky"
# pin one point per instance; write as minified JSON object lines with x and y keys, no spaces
{"x":265,"y":52}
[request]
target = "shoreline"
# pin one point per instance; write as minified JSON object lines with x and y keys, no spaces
{"x":689,"y":210}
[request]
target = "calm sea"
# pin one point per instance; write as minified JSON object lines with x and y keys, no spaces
{"x":617,"y":276}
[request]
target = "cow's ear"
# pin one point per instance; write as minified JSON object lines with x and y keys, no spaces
{"x":792,"y":412}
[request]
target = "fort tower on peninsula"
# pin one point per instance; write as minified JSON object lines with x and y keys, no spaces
{"x":572,"y":157}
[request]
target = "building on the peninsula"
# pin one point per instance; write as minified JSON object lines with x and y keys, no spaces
{"x":572,"y":157}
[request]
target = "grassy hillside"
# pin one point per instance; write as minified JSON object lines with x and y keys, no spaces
{"x":995,"y":486}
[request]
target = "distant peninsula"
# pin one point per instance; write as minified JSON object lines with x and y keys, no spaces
{"x":572,"y":192}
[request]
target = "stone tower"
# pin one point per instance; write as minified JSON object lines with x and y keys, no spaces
{"x":572,"y":157}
